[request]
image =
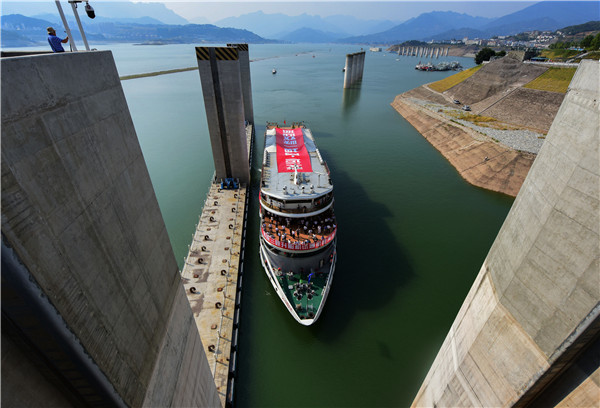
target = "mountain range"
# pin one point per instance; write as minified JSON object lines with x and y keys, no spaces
{"x":117,"y":11}
{"x":543,"y":16}
{"x":278,"y":26}
{"x":22,"y":31}
{"x":140,"y":22}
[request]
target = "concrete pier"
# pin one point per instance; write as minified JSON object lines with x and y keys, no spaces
{"x":362,"y":66}
{"x":530,"y":324}
{"x":212,"y":273}
{"x":244,"y":57}
{"x":212,"y":278}
{"x":348,"y":71}
{"x":220,"y":75}
{"x":353,"y":70}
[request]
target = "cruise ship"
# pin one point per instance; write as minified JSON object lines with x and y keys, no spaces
{"x":298,"y":226}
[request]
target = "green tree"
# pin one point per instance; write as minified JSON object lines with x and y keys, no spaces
{"x":595,"y":44}
{"x":556,"y":46}
{"x":587,"y":41}
{"x":484,"y":55}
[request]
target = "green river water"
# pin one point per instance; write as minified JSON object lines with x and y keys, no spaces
{"x":412,"y":233}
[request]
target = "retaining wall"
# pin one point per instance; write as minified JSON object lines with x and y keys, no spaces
{"x":535,"y":304}
{"x":80,"y":216}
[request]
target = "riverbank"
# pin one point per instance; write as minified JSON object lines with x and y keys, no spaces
{"x":479,"y":158}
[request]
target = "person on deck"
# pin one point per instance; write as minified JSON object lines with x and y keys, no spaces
{"x":55,"y":42}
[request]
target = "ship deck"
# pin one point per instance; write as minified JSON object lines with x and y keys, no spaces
{"x":307,"y":233}
{"x":274,"y":180}
{"x":291,"y":273}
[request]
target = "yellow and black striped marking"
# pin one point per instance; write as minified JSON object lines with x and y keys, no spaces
{"x":220,"y":53}
{"x":240,"y":47}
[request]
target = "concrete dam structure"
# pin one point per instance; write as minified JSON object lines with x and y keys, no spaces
{"x":220,"y":74}
{"x":353,"y":70}
{"x":528,"y":331}
{"x":93,"y":309}
{"x":213,"y":269}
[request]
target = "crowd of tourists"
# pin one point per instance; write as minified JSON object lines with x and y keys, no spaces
{"x":299,"y":230}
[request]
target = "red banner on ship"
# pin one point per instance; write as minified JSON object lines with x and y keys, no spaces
{"x":291,"y":151}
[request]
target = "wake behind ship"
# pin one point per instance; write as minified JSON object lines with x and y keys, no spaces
{"x":298,"y":226}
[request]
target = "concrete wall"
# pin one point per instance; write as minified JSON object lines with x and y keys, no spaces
{"x":353,"y":70}
{"x":80,"y":214}
{"x":224,"y":103}
{"x":348,"y":70}
{"x":535,"y":303}
{"x":244,"y":57}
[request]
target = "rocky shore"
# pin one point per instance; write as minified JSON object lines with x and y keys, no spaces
{"x":494,"y":143}
{"x":490,"y":158}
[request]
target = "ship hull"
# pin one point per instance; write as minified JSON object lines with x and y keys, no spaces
{"x":272,"y":263}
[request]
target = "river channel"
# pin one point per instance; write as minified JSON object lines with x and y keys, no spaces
{"x":412,"y":234}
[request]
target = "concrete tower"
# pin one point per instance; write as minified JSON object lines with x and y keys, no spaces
{"x":220,"y":75}
{"x":354,"y":68}
{"x":244,"y":57}
{"x":348,"y":71}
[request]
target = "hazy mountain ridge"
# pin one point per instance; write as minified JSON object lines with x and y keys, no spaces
{"x":278,"y":25}
{"x":545,"y":15}
{"x":25,"y":31}
{"x":562,"y":14}
{"x":116,"y":10}
{"x":423,"y":27}
{"x":140,"y":22}
{"x":309,"y":35}
{"x":102,"y":19}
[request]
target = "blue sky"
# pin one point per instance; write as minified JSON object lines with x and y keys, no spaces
{"x":368,"y":10}
{"x":397,"y":11}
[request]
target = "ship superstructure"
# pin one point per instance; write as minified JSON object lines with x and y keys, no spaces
{"x":298,"y":226}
